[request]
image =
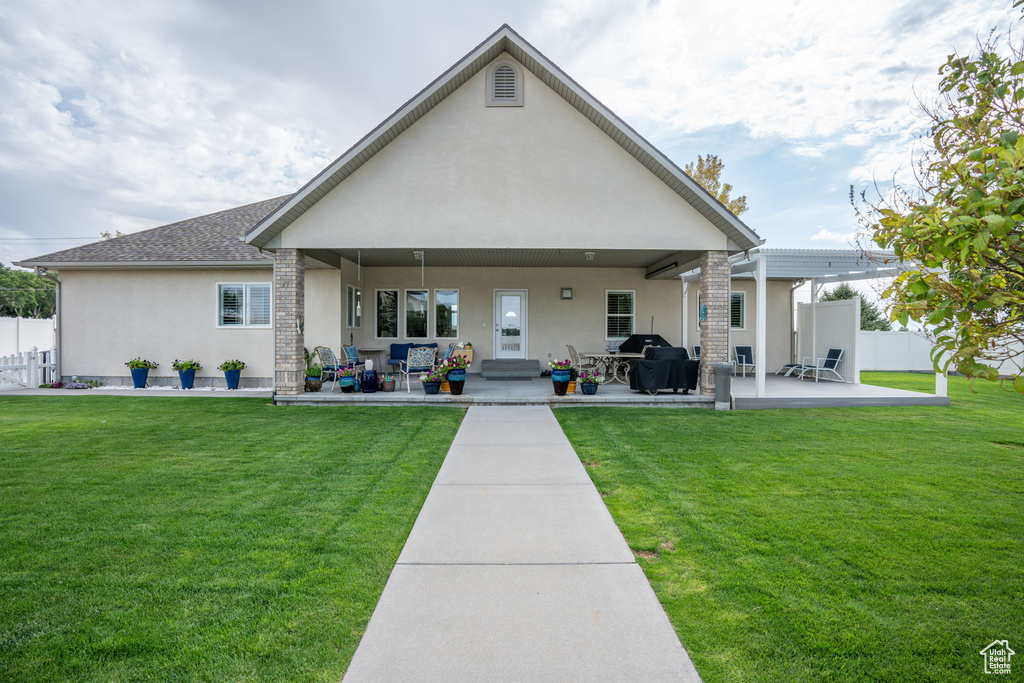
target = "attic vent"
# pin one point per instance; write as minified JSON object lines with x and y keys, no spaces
{"x":505,"y":86}
{"x":504,"y":83}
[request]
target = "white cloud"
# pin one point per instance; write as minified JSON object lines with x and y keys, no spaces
{"x":833,"y":236}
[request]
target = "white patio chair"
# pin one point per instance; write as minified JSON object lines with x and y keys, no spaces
{"x":826,"y":365}
{"x":696,"y":352}
{"x":328,"y":364}
{"x":578,"y":362}
{"x":420,"y":359}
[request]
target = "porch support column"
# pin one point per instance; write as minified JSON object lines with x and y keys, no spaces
{"x":289,"y":302}
{"x":685,"y":313}
{"x":714,"y":331}
{"x":761,"y":326}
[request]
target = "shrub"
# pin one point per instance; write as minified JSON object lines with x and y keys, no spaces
{"x":136,"y":363}
{"x":231,"y":365}
{"x":182,"y":365}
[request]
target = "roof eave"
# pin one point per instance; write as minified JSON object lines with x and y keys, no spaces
{"x":142,"y":265}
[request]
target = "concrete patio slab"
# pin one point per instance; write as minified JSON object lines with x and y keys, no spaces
{"x":515,"y":524}
{"x":536,"y":623}
{"x":540,"y":464}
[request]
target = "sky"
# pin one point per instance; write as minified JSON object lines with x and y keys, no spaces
{"x":125,"y":116}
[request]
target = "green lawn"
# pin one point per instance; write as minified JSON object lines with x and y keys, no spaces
{"x":189,"y":539}
{"x":827,"y":544}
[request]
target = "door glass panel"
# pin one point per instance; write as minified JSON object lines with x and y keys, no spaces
{"x":511,"y":323}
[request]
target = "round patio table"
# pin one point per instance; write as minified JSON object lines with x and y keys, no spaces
{"x":613,"y":365}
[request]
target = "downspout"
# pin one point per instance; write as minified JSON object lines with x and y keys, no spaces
{"x":58,"y":370}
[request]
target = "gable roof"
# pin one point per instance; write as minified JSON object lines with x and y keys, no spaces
{"x":501,"y":41}
{"x":211,"y":240}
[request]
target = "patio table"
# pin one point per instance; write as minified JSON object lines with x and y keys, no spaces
{"x":614,"y":365}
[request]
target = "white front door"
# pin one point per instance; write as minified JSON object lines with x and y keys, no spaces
{"x":510,"y":323}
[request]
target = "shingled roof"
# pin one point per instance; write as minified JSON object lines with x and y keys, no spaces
{"x":210,"y":240}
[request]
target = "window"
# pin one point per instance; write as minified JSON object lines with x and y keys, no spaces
{"x":619,"y":312}
{"x":387,"y":314}
{"x":736,"y":310}
{"x":446,"y":313}
{"x":416,"y":314}
{"x":354,"y":314}
{"x":505,"y":86}
{"x":244,"y":305}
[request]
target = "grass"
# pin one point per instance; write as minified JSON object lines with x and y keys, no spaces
{"x":861,"y":544}
{"x":201,"y":539}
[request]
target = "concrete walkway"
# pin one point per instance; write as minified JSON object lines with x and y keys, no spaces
{"x":515,"y":571}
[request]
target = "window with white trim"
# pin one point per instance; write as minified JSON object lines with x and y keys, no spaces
{"x":446,"y":314}
{"x":620,"y":311}
{"x":354,"y":307}
{"x":243,"y":304}
{"x":416,"y":318}
{"x":386,"y":310}
{"x":737,"y":309}
{"x":505,"y":86}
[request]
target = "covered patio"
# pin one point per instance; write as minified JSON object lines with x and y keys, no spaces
{"x":784,"y":392}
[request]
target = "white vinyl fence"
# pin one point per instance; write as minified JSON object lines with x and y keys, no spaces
{"x":911,"y":351}
{"x":21,"y":334}
{"x":895,"y":351}
{"x":830,"y":325}
{"x":29,"y":369}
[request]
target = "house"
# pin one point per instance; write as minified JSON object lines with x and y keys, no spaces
{"x":502,"y":205}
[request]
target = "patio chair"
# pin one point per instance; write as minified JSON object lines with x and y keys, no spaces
{"x":696,"y":352}
{"x":579,"y":363}
{"x":420,"y":359}
{"x":827,"y":364}
{"x":744,"y":358}
{"x":352,"y":357}
{"x":790,"y":368}
{"x":328,"y":364}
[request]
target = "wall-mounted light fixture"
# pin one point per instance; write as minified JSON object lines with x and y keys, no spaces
{"x":566,"y":293}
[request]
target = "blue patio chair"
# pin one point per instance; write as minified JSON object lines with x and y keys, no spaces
{"x":420,"y":359}
{"x":353,"y":358}
{"x":826,"y":365}
{"x":744,"y":356}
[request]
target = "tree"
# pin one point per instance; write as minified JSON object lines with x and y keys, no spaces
{"x":107,"y":235}
{"x":871,"y":318}
{"x":708,"y":173}
{"x":24,"y":294}
{"x":959,"y":230}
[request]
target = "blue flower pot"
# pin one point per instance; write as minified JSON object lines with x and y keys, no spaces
{"x":589,"y":388}
{"x":187,"y":377}
{"x":431,"y":387}
{"x":231,"y":377}
{"x":139,"y":377}
{"x":560,"y":378}
{"x":347,"y":384}
{"x":456,"y":382}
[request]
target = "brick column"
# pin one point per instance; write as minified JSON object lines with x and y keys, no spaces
{"x":714,"y":331}
{"x":289,"y":302}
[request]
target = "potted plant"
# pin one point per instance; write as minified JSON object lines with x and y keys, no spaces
{"x":574,"y":373}
{"x":232,"y":370}
{"x":347,"y":380}
{"x":432,"y":381}
{"x":589,"y":382}
{"x":455,"y":371}
{"x":186,"y":371}
{"x":560,"y":375}
{"x":140,"y":371}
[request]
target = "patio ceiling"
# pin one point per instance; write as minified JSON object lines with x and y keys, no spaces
{"x":508,"y":258}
